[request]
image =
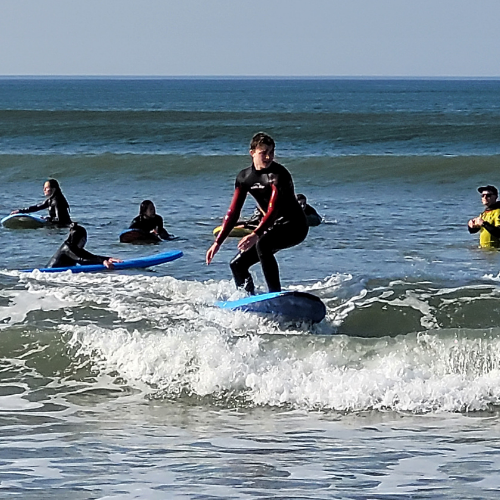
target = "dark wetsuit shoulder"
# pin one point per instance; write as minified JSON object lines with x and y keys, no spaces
{"x":259,"y":184}
{"x":148,"y":224}
{"x":67,"y":257}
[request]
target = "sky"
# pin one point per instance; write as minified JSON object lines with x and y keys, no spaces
{"x":253,"y":38}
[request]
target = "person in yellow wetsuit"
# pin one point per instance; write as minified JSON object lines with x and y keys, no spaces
{"x":488,"y":223}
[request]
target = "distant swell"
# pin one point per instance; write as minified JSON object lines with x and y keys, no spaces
{"x":228,"y":132}
{"x":324,"y":170}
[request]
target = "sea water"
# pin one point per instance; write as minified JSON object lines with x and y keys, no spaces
{"x":133,"y":385}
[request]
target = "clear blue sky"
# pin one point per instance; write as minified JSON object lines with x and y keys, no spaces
{"x":434,"y":38}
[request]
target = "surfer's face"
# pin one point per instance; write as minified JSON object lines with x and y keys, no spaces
{"x":262,"y":156}
{"x":488,"y":198}
{"x":150,"y":211}
{"x":47,"y":190}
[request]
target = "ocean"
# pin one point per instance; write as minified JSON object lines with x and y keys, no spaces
{"x":133,"y":385}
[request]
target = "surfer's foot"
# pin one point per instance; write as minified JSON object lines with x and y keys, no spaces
{"x":249,"y":286}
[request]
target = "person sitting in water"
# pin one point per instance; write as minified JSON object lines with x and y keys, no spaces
{"x":55,"y":202}
{"x":149,"y":221}
{"x":71,"y":252}
{"x":313,"y":218}
{"x":488,"y":222}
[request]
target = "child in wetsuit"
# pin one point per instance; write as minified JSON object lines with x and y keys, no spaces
{"x":55,"y":202}
{"x":71,"y":252}
{"x":284,"y":224}
{"x":149,"y":221}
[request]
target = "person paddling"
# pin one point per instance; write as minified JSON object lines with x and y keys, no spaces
{"x":71,"y":252}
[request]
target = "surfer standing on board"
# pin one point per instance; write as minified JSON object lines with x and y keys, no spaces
{"x":283,"y":225}
{"x":489,"y":221}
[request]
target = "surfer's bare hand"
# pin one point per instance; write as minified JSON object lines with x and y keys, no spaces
{"x":14,"y":212}
{"x":211,"y":252}
{"x":109,"y":262}
{"x":247,"y":242}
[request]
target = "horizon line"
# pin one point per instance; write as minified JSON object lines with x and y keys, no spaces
{"x":240,"y":77}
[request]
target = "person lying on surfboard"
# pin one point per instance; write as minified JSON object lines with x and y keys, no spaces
{"x":284,"y":224}
{"x":55,"y":202}
{"x":149,"y":221}
{"x":71,"y":252}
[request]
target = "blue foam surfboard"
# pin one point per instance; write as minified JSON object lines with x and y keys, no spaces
{"x":24,"y":221}
{"x":140,"y":262}
{"x":293,"y":305}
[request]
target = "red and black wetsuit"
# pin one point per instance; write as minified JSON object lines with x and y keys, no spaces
{"x":284,"y":224}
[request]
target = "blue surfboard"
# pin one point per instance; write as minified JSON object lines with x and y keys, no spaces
{"x":140,"y":262}
{"x":24,"y":221}
{"x":293,"y":305}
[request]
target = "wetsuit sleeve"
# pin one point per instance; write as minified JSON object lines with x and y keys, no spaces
{"x":81,"y":256}
{"x":162,"y":232}
{"x":270,"y":215}
{"x":493,"y":230}
{"x":232,"y":215}
{"x":35,"y":208}
{"x":66,"y":256}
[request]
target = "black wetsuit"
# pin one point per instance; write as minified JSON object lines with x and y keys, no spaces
{"x":283,"y":225}
{"x":312,"y":217}
{"x":58,"y":209}
{"x":68,"y":255}
{"x":148,"y":224}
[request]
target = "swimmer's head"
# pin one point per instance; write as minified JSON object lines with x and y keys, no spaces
{"x":147,"y":209}
{"x":77,"y":236}
{"x":50,"y":187}
{"x":301,"y":199}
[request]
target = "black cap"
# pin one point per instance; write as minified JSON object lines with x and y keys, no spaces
{"x":491,"y":189}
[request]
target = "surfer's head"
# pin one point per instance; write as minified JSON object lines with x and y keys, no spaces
{"x":489,"y":195}
{"x":77,"y":236}
{"x":50,"y":187}
{"x":301,"y":199}
{"x":262,"y":150}
{"x":147,"y":209}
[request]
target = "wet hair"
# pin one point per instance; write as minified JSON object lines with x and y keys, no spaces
{"x":54,"y":185}
{"x":261,"y":139}
{"x":57,"y":191}
{"x":300,"y":196}
{"x":76,"y":234}
{"x":144,"y":206}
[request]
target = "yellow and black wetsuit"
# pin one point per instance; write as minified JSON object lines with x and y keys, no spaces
{"x":489,"y":236}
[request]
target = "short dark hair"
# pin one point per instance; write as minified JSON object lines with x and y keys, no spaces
{"x":261,"y":139}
